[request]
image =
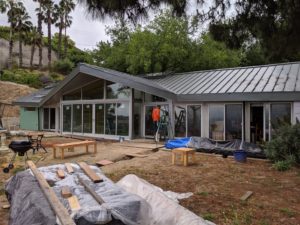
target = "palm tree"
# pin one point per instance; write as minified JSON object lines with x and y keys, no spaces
{"x":23,"y":25}
{"x":13,"y":9}
{"x":59,"y":15}
{"x":39,"y":13}
{"x":33,"y":39}
{"x":68,"y":7}
{"x":49,"y":20}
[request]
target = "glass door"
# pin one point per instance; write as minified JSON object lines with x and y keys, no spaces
{"x":150,"y":128}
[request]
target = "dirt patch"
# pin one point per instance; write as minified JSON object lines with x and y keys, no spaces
{"x":9,"y":92}
{"x":217,"y":183}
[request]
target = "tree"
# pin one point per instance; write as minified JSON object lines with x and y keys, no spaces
{"x":59,"y":14}
{"x":40,"y":18}
{"x":47,"y":7}
{"x":23,"y":25}
{"x":68,"y":8}
{"x":33,"y":39}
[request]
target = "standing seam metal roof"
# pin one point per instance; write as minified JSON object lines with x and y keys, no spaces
{"x":272,"y":78}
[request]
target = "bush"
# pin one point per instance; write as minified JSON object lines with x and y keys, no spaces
{"x":64,"y":66}
{"x":22,"y":76}
{"x":284,"y":148}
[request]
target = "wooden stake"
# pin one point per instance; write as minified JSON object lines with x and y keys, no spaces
{"x":56,"y":205}
{"x":66,"y":192}
{"x":89,"y":172}
{"x":246,"y":195}
{"x":74,"y":203}
{"x":60,"y":173}
{"x":69,"y":167}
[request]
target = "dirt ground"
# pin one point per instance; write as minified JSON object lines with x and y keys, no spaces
{"x":217,"y":183}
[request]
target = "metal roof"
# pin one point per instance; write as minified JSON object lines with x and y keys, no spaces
{"x":275,"y":82}
{"x":281,"y":81}
{"x":34,"y":99}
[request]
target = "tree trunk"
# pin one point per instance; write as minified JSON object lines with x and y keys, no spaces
{"x":39,"y":28}
{"x":32,"y":55}
{"x":20,"y":50}
{"x":60,"y":38}
{"x":49,"y":38}
{"x":66,"y":43}
{"x":11,"y":45}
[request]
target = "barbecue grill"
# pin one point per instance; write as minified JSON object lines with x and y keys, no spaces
{"x":20,"y":148}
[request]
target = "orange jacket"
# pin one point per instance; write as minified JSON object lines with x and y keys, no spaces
{"x":156,"y":114}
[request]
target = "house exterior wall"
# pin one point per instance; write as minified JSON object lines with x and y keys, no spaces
{"x":29,"y":118}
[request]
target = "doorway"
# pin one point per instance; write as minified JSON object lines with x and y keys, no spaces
{"x":256,"y":124}
{"x":149,"y":127}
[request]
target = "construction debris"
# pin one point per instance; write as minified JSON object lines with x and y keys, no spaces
{"x":246,"y":195}
{"x":89,"y":172}
{"x":104,"y":162}
{"x":66,"y":192}
{"x":69,"y":167}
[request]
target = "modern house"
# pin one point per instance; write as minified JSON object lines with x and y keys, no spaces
{"x":246,"y":103}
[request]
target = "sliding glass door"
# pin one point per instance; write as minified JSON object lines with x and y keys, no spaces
{"x":87,"y":118}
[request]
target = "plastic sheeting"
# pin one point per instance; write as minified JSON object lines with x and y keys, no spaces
{"x":220,"y":147}
{"x":165,"y":210}
{"x":29,"y":205}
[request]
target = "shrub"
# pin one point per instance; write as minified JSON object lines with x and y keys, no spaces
{"x":284,"y":148}
{"x":21,"y":76}
{"x":64,"y":66}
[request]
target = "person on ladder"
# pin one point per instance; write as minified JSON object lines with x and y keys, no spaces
{"x":156,"y":119}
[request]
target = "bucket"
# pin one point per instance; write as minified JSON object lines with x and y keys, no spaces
{"x":240,"y":155}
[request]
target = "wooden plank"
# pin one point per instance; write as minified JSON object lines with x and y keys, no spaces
{"x":69,"y":167}
{"x":7,"y":206}
{"x":56,"y":205}
{"x":89,"y":172}
{"x":66,"y":192}
{"x":73,"y":144}
{"x":74,"y":203}
{"x":91,"y":191}
{"x":246,"y":195}
{"x":60,"y":173}
{"x":104,"y":162}
{"x":136,"y":155}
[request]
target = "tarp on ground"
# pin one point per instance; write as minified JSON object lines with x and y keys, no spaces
{"x":203,"y":144}
{"x":165,"y":208}
{"x":30,"y":207}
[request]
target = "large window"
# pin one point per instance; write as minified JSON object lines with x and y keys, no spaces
{"x":87,"y":118}
{"x":74,"y":95}
{"x":77,"y":118}
{"x":46,"y":118}
{"x":116,"y":91}
{"x":94,"y":90}
{"x":216,"y":122}
{"x":49,"y":118}
{"x":233,"y":121}
{"x":280,"y":115}
{"x":122,"y":119}
{"x":110,"y":117}
{"x":194,"y":120}
{"x":67,"y":115}
{"x":99,"y":114}
{"x":180,"y":121}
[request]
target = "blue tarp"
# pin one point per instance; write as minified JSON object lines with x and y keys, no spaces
{"x":178,"y":143}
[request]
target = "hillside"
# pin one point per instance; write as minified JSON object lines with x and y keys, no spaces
{"x":4,"y":52}
{"x":9,"y":92}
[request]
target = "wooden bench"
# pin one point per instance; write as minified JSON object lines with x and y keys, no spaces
{"x":72,"y":145}
{"x":184,"y":152}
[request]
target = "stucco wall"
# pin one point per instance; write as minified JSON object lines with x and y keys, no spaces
{"x":29,"y":119}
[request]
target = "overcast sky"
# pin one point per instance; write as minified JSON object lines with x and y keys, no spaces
{"x":84,"y":31}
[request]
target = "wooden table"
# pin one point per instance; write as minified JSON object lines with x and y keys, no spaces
{"x":184,"y":152}
{"x":72,"y":145}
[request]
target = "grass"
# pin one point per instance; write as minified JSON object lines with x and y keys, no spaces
{"x":208,"y":216}
{"x":288,"y":212}
{"x":203,"y":193}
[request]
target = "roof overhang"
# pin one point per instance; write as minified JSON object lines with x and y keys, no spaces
{"x":138,"y":83}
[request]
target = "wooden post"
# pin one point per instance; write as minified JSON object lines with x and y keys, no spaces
{"x":62,"y":153}
{"x":87,"y":148}
{"x":91,"y":191}
{"x":54,"y":152}
{"x":57,"y":206}
{"x":60,"y":173}
{"x":95,"y":148}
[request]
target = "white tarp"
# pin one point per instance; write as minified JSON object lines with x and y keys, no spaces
{"x":165,"y":207}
